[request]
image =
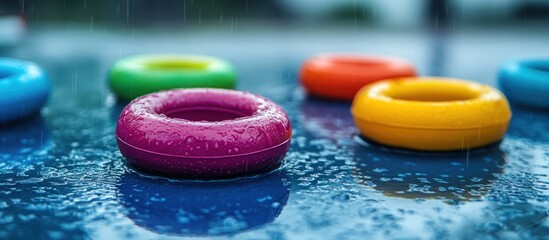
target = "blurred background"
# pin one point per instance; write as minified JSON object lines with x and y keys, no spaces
{"x":432,"y":33}
{"x":360,"y":13}
{"x":74,"y":186}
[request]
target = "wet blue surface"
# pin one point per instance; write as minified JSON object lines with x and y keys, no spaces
{"x":62,"y":177}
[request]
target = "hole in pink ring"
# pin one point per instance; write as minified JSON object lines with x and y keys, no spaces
{"x":208,"y":114}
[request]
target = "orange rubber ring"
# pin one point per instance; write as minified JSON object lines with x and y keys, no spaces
{"x":340,"y":76}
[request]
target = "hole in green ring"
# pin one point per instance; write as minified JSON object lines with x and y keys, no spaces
{"x":177,"y":64}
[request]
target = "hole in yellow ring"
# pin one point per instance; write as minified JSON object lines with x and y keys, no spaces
{"x":176,"y":64}
{"x":431,"y":91}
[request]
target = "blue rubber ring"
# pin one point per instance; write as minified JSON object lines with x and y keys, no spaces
{"x":526,"y":82}
{"x":24,"y":88}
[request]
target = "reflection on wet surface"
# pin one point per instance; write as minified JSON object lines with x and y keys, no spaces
{"x":21,"y":138}
{"x":455,"y":176}
{"x":532,"y":124}
{"x":76,"y":184}
{"x":196,"y":208}
{"x":327,"y":119}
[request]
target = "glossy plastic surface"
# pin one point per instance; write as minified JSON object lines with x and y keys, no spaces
{"x":340,"y":76}
{"x":433,"y":114}
{"x":24,"y":88}
{"x":236,"y":133}
{"x":82,"y":188}
{"x":526,"y":82}
{"x":135,"y":76}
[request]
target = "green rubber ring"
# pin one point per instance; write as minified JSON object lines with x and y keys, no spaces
{"x":139,"y":75}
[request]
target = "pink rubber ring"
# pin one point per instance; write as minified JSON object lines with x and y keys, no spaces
{"x":203,"y":133}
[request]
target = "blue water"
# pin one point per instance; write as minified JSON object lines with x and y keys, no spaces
{"x":62,"y":177}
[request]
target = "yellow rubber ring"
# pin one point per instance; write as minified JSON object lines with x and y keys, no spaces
{"x":431,"y":114}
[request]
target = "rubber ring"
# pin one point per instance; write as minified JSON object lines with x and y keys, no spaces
{"x":340,"y":76}
{"x":526,"y":82}
{"x":139,"y":75}
{"x":431,"y":114}
{"x":203,"y":133}
{"x":24,"y":89}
